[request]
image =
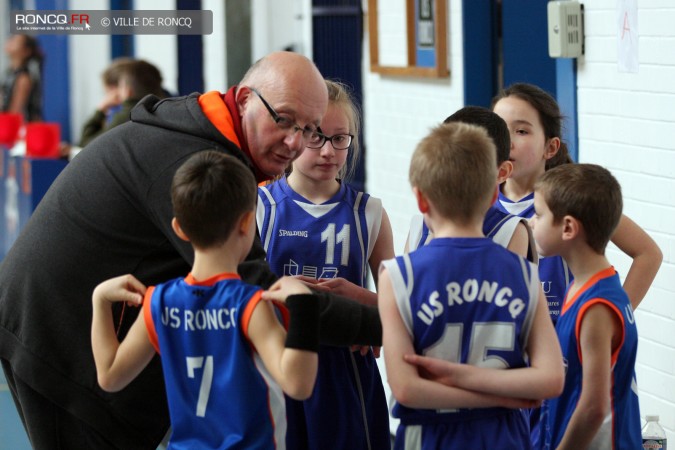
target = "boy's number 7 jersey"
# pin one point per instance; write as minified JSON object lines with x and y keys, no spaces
{"x":334,"y":239}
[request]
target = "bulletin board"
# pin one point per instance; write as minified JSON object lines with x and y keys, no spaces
{"x":426,"y":39}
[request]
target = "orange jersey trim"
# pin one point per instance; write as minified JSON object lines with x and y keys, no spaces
{"x":580,"y":318}
{"x":605,"y":273}
{"x":147,"y":315}
{"x":192,"y":281}
{"x":214,"y":108}
{"x":248,"y":313}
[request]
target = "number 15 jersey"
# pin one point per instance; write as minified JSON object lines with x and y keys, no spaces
{"x":465,"y":300}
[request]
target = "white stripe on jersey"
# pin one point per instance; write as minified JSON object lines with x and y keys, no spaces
{"x":413,"y":437}
{"x":260,"y":216}
{"x":359,"y":235}
{"x":516,"y":208}
{"x":534,"y":286}
{"x":374,"y":221}
{"x":401,"y":291}
{"x":505,"y":233}
{"x":276,"y":403}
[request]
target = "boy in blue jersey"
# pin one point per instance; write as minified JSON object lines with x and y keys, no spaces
{"x":508,"y":230}
{"x":467,"y":302}
{"x":225,"y":355}
{"x":577,"y":207}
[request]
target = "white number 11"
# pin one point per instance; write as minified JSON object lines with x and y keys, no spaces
{"x":331,"y":239}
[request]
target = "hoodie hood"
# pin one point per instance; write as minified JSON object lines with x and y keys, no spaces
{"x":181,"y":114}
{"x":185,"y":115}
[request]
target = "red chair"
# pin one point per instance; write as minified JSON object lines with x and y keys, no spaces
{"x":42,"y":139}
{"x":10,"y":124}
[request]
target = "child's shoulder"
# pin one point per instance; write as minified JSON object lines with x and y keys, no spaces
{"x":604,"y":285}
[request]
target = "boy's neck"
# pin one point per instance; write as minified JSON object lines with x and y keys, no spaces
{"x":452,"y":229}
{"x":214,"y":261}
{"x":584,"y":262}
{"x":316,"y":191}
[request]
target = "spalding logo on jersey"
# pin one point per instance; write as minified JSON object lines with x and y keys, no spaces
{"x":301,"y":233}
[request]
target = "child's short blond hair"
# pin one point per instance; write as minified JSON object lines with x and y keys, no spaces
{"x":455,"y":168}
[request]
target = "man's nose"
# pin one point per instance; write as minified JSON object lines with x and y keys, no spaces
{"x":294,"y":140}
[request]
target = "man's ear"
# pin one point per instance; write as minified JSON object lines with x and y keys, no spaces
{"x":571,"y":228}
{"x":552,"y":147}
{"x":245,"y":221}
{"x":241,"y":97}
{"x":422,"y":202}
{"x":178,"y":230}
{"x":504,"y":171}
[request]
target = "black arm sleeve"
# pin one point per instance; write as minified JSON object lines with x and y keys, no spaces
{"x":343,"y":321}
{"x":347,"y":322}
{"x":303,"y":330}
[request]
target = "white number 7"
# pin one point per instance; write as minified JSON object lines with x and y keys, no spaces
{"x":197,"y":362}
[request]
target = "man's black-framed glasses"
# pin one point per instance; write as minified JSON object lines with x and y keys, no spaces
{"x":311,"y":136}
{"x":338,"y":141}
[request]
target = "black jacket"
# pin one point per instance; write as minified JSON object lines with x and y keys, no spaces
{"x":109,"y":213}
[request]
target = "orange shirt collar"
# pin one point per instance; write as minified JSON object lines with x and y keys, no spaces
{"x":604,"y":273}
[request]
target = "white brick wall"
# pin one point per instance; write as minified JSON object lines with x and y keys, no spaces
{"x":399,"y":112}
{"x":626,"y":123}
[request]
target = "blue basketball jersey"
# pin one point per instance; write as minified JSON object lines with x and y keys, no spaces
{"x":330,"y":240}
{"x":348,"y":407}
{"x":466,"y":300}
{"x":555,"y":277}
{"x":498,"y":226}
{"x":554,"y":273}
{"x":219,"y":393}
{"x":603,"y":288}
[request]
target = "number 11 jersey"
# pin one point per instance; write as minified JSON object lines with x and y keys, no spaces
{"x":333,"y":239}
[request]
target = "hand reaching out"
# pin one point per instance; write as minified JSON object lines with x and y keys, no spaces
{"x":284,"y":287}
{"x":125,"y":288}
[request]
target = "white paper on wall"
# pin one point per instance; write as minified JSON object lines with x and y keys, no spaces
{"x":627,"y":36}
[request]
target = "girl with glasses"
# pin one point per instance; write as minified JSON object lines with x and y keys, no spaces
{"x":315,"y":226}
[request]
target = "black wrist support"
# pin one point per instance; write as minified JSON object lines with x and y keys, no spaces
{"x":303,"y":330}
{"x":346,"y":322}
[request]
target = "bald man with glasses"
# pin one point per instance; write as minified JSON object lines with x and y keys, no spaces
{"x":109,"y":213}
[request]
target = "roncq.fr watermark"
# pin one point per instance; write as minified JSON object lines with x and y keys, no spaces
{"x":82,"y":22}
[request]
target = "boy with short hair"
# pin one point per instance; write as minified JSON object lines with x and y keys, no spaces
{"x":126,"y":81}
{"x":577,"y":208}
{"x":469,"y":305}
{"x":511,"y":232}
{"x":225,"y":355}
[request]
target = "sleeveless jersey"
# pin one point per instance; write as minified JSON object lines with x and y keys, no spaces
{"x":466,"y":300}
{"x":348,"y":407}
{"x":604,"y":288}
{"x":498,"y":226}
{"x":554,"y":274}
{"x":220,"y":395}
{"x":330,"y":240}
